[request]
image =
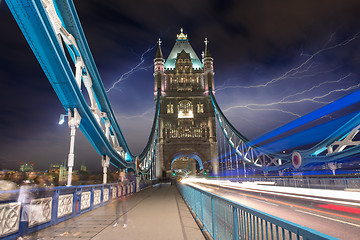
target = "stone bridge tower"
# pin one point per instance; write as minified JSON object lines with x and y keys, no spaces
{"x":187,"y":128}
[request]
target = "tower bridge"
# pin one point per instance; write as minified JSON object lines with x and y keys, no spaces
{"x":183,"y":139}
{"x":187,"y":128}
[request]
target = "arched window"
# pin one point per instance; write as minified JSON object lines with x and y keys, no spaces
{"x":200,"y":108}
{"x":185,"y":109}
{"x":170,"y":108}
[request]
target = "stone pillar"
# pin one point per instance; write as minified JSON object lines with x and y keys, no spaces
{"x":214,"y":159}
{"x":159,"y":161}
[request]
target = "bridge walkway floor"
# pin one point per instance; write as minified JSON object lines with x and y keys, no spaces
{"x":158,"y":212}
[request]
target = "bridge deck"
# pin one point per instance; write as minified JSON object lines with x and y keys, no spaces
{"x":154,"y":213}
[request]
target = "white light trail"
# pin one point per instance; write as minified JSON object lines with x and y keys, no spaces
{"x":329,"y":218}
{"x":134,"y":69}
{"x":325,"y":195}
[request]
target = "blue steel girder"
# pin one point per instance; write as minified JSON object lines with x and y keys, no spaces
{"x":339,"y":104}
{"x":250,"y":154}
{"x":38,"y":31}
{"x":72,"y":24}
{"x":333,"y":142}
{"x":146,"y":158}
{"x":337,"y":146}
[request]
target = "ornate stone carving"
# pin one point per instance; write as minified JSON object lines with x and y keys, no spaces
{"x":114,"y":192}
{"x":65,"y":205}
{"x":97,"y":197}
{"x":40,"y":211}
{"x":85,"y":200}
{"x":9,"y":218}
{"x":105,"y":195}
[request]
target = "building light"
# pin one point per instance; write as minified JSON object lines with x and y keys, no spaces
{"x":62,"y":119}
{"x":188,"y":114}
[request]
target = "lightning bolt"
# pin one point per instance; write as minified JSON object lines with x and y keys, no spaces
{"x":314,"y":87}
{"x":143,"y":115}
{"x":304,"y":70}
{"x":133,"y":69}
{"x":252,"y":106}
{"x":303,"y":67}
{"x":292,"y":75}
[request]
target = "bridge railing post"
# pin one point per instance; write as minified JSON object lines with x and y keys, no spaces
{"x":213,"y":218}
{"x":202,"y":207}
{"x":102,"y":194}
{"x":235,"y":230}
{"x":55,"y":205}
{"x":92,"y":197}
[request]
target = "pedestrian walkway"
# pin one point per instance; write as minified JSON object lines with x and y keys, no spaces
{"x":158,"y":212}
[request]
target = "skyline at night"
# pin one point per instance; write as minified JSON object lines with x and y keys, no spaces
{"x":273,"y":62}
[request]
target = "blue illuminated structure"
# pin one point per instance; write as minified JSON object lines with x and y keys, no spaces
{"x":333,"y":139}
{"x":53,"y":27}
{"x":40,"y":26}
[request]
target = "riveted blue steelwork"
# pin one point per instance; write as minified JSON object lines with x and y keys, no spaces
{"x":269,"y":156}
{"x":36,"y":26}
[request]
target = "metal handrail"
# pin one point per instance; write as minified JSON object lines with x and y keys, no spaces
{"x":57,"y":204}
{"x":224,"y":219}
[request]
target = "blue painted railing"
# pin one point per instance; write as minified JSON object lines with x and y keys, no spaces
{"x":224,"y":219}
{"x":57,"y":204}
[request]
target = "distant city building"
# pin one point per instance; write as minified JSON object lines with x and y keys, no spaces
{"x":83,"y":167}
{"x":26,"y":167}
{"x":59,"y":170}
{"x":187,"y":128}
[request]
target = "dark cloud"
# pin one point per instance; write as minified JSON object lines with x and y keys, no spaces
{"x":252,"y":43}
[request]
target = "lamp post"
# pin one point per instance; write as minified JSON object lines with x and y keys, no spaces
{"x":74,"y":119}
{"x":105,"y":162}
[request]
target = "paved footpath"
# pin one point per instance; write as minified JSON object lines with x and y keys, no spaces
{"x":158,"y":212}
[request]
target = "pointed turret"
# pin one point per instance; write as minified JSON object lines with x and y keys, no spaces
{"x":207,"y":51}
{"x":159,"y":59}
{"x":159,"y":54}
{"x":208,"y":68}
{"x":207,"y":59}
{"x":159,"y":69}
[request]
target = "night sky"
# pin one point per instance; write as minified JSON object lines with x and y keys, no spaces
{"x":274,"y":61}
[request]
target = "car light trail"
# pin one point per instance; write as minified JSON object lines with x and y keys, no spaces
{"x":220,"y":183}
{"x":340,"y":208}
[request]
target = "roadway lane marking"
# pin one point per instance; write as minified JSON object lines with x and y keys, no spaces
{"x":265,"y":202}
{"x":333,"y":219}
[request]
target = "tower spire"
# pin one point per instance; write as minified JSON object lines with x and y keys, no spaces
{"x":207,"y":52}
{"x":159,"y":52}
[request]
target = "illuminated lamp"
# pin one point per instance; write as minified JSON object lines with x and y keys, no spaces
{"x":62,"y":118}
